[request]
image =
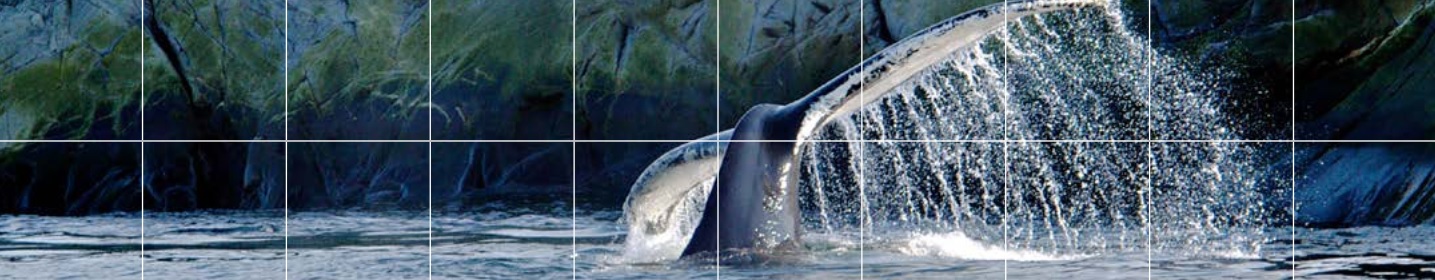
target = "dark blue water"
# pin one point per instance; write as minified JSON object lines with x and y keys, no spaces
{"x":496,"y":245}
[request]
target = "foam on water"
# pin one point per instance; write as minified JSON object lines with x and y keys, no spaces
{"x":958,"y":245}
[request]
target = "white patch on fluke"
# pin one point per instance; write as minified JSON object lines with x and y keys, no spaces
{"x":666,"y":202}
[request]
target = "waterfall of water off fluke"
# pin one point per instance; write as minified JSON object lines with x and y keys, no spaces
{"x":1080,"y":77}
{"x":1033,"y":145}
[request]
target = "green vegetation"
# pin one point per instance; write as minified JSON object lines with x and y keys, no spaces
{"x":528,"y":42}
{"x":655,"y":45}
{"x":778,"y":53}
{"x":232,"y":52}
{"x":383,"y":56}
{"x":95,"y":75}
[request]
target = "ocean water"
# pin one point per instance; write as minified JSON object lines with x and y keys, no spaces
{"x":540,"y":245}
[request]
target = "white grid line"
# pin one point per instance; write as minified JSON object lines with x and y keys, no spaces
{"x":717,"y":127}
{"x":286,"y":139}
{"x":1150,"y":151}
{"x":573,"y":133}
{"x":1154,"y":141}
{"x":430,"y":144}
{"x":1293,"y":138}
{"x":142,"y":137}
{"x":1006,"y":134}
{"x":862,"y":148}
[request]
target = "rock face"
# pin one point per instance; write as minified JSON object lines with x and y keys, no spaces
{"x":644,"y":60}
{"x":502,"y":70}
{"x":1362,"y":65}
{"x":645,"y":70}
{"x":778,"y":51}
{"x":70,"y":70}
{"x":358,"y":63}
{"x":70,"y":179}
{"x":1367,"y":184}
{"x":1365,"y":71}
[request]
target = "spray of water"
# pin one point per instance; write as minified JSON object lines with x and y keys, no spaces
{"x":1069,"y":76}
{"x":1078,"y":75}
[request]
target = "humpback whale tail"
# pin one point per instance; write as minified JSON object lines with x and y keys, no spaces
{"x":754,"y":202}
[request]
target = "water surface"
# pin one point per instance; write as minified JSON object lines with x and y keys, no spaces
{"x":539,"y":244}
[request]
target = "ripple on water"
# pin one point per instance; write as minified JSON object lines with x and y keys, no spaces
{"x":474,"y":245}
{"x":35,"y":247}
{"x":1367,"y":252}
{"x":511,"y":244}
{"x":354,"y":245}
{"x":214,"y":244}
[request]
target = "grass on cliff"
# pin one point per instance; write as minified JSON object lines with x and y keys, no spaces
{"x":382,"y":53}
{"x":232,"y":52}
{"x":94,"y":75}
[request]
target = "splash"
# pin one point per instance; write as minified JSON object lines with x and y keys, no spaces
{"x":1081,"y":76}
{"x":987,"y":172}
{"x":958,"y":245}
{"x":653,"y":243}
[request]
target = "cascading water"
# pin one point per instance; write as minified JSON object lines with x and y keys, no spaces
{"x":1079,"y":76}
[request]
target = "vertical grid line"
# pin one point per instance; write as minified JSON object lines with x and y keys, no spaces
{"x":573,"y":133}
{"x":862,"y":147}
{"x":1006,"y":135}
{"x":1150,"y":135}
{"x":286,"y":139}
{"x":430,"y":142}
{"x":142,"y":139}
{"x":1292,"y":143}
{"x":717,"y":126}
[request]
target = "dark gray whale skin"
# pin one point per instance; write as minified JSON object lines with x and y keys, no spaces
{"x":750,"y":174}
{"x":741,"y":209}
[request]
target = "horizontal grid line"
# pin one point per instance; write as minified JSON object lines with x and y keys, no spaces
{"x":728,"y":141}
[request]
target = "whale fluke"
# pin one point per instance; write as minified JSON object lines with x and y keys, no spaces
{"x":754,"y":203}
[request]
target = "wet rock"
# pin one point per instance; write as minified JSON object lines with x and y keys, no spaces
{"x":1371,"y":82}
{"x":70,"y":178}
{"x":1355,"y":184}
